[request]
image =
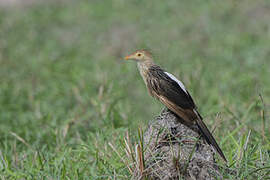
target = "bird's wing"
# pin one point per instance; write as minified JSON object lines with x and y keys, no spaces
{"x":182,"y":86}
{"x":177,"y":110}
{"x":166,"y":85}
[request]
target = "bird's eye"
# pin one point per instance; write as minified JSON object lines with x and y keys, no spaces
{"x":139,"y":54}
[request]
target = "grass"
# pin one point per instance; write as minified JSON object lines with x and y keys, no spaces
{"x":65,"y":92}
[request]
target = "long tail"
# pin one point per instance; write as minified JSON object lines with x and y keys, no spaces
{"x":208,"y":136}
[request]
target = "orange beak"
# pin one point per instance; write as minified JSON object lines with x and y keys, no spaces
{"x":127,"y":57}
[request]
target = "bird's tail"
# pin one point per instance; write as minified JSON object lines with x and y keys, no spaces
{"x":208,"y":135}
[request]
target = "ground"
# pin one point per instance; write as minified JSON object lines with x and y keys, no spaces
{"x":66,"y":93}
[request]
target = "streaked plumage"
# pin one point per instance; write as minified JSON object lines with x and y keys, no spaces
{"x":172,"y":93}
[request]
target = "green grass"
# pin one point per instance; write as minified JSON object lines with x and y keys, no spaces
{"x":65,"y":92}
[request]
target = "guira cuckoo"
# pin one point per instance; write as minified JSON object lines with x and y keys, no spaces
{"x":172,"y":93}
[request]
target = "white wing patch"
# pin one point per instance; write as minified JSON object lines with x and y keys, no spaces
{"x":176,"y":80}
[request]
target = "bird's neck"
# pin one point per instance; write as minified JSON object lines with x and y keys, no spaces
{"x":143,"y":68}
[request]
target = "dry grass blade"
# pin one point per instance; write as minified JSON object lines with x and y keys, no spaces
{"x":139,"y":159}
{"x":21,"y":140}
{"x":114,"y":149}
{"x":128,"y":148}
{"x":247,"y":140}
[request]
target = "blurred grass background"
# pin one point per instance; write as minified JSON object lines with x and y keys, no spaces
{"x":65,"y":91}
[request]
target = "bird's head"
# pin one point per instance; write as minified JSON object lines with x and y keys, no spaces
{"x":140,"y":56}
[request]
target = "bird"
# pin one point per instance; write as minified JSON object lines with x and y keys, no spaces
{"x":172,"y":93}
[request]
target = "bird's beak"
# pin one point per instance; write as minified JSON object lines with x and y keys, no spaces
{"x":127,"y":57}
